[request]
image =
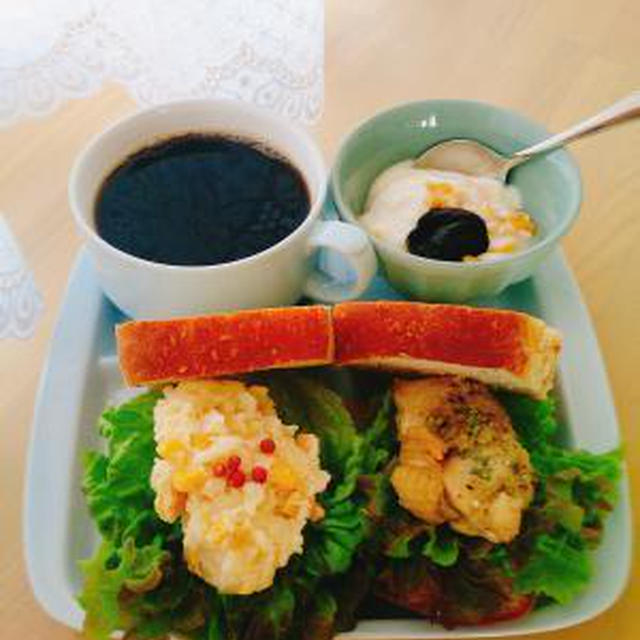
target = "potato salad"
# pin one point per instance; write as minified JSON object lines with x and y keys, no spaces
{"x":243,"y":483}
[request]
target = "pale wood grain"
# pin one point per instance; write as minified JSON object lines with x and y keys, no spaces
{"x":555,"y":60}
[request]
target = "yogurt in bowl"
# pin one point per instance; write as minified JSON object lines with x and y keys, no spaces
{"x":549,"y":187}
{"x":404,"y":196}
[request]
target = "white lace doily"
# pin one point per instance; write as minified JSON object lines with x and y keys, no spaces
{"x":269,"y":52}
{"x":20,"y":302}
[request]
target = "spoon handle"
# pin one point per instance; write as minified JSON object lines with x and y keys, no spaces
{"x":621,"y":111}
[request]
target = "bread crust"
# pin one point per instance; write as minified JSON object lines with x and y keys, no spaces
{"x":498,"y":347}
{"x":503,"y":348}
{"x":158,"y":351}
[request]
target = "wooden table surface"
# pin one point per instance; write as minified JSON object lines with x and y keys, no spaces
{"x":554,"y":60}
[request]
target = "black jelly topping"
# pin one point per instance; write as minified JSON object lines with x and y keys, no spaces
{"x":448,"y":234}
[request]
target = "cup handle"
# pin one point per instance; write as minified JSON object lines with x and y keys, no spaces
{"x":353,"y":245}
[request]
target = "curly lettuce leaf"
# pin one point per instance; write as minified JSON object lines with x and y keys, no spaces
{"x":442,"y":547}
{"x":120,"y":500}
{"x":116,"y":484}
{"x":352,"y":470}
{"x":580,"y":489}
{"x":534,"y":420}
{"x":145,"y":590}
{"x":380,"y":440}
{"x":576,"y":491}
{"x":319,"y":410}
{"x":536,"y":425}
{"x":557,"y":567}
{"x":334,"y":544}
{"x":110,"y":571}
{"x":331,"y":543}
{"x":406,"y":537}
{"x":370,"y":451}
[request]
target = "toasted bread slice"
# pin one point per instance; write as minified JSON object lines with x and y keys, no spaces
{"x":157,"y":351}
{"x":504,"y":348}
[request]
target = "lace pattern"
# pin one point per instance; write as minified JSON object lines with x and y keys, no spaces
{"x":20,"y":302}
{"x":269,"y":52}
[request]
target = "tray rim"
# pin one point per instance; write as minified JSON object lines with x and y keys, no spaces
{"x":60,"y":603}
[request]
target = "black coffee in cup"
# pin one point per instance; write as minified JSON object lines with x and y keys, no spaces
{"x":200,"y":199}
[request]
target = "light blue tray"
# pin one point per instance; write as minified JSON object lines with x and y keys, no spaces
{"x":81,"y":376}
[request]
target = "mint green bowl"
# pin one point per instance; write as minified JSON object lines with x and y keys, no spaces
{"x":550,"y":188}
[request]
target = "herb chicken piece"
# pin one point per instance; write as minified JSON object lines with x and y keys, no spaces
{"x":460,"y":459}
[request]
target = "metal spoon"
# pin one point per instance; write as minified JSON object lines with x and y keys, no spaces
{"x":474,"y":158}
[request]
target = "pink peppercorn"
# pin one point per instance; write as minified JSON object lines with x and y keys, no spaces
{"x":236,"y":478}
{"x":259,"y":474}
{"x":267,"y":445}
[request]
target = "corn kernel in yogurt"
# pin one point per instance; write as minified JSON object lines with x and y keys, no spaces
{"x":402,"y":194}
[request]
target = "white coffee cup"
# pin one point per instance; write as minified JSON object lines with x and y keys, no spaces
{"x":276,"y":276}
